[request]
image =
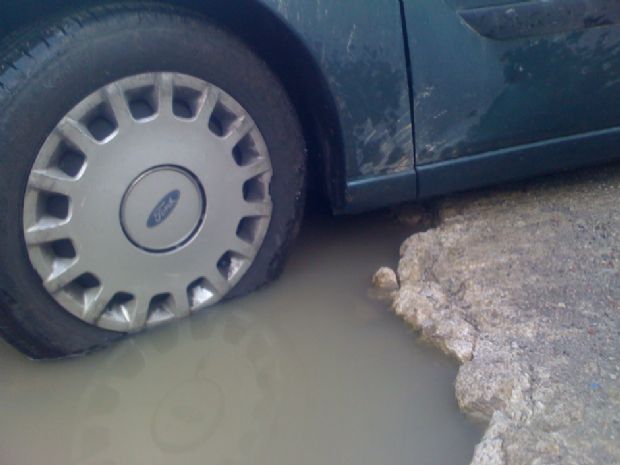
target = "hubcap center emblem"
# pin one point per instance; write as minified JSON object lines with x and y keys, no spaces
{"x":175,"y":218}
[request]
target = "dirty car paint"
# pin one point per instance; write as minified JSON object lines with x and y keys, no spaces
{"x":360,"y":49}
{"x":528,"y":19}
{"x":474,"y":94}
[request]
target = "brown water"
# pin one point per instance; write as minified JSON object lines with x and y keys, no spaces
{"x":308,"y":371}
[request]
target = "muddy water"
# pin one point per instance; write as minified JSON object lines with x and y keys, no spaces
{"x":308,"y":371}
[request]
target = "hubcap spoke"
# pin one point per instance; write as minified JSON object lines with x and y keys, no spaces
{"x":256,"y":168}
{"x":137,"y":311}
{"x":54,"y":181}
{"x":64,"y":271}
{"x":243,"y":248}
{"x":206,"y":104}
{"x":47,"y":230}
{"x":180,"y":307}
{"x":241,"y":128}
{"x":219,"y":282}
{"x":96,"y":303}
{"x":165,"y":94}
{"x":77,"y":135}
{"x":118,"y":103}
{"x":256,"y":209}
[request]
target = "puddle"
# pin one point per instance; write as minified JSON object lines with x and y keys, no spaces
{"x":308,"y":371}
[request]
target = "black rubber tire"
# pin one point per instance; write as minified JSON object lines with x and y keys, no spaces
{"x":49,"y":70}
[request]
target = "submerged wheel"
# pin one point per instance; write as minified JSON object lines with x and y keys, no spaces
{"x":151,"y":165}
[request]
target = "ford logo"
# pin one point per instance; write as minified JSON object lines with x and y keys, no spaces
{"x":163,"y":209}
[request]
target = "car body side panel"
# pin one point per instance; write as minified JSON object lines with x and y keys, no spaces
{"x":475,"y":93}
{"x":519,"y":162}
{"x":359,"y":47}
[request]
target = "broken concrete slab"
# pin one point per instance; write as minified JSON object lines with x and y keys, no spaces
{"x":521,"y":284}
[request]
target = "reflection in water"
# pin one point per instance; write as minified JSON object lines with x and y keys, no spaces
{"x":307,"y":371}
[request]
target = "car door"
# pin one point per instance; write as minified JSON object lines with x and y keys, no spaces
{"x":493,"y":74}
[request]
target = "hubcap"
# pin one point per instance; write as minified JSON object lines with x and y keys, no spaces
{"x":149,"y":200}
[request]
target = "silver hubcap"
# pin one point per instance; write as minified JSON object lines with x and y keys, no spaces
{"x":149,"y":200}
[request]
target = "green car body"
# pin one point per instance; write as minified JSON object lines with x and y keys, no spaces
{"x":406,"y":99}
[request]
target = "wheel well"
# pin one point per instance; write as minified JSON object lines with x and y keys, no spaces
{"x":273,"y":40}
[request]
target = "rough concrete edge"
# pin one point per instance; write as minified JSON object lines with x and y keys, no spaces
{"x":445,"y":330}
{"x":440,"y":333}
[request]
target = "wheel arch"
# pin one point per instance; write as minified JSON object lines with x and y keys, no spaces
{"x":275,"y":41}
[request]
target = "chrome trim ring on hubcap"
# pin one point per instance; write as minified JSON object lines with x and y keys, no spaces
{"x":149,"y":200}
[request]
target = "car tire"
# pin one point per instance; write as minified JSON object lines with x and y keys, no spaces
{"x":50,"y":69}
